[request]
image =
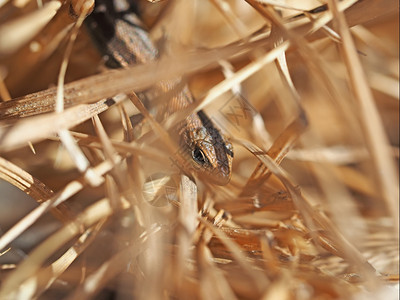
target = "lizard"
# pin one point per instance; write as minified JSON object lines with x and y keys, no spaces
{"x":121,"y":38}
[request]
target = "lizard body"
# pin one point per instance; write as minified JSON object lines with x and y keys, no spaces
{"x":119,"y":35}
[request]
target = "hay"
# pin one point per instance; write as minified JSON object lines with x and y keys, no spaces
{"x":308,"y":94}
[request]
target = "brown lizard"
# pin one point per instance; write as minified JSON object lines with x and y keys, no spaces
{"x":121,"y":38}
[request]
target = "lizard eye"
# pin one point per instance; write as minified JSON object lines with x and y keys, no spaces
{"x":199,"y":156}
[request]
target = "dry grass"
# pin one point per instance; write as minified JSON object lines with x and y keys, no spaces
{"x":310,"y":100}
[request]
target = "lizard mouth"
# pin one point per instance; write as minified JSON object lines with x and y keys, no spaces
{"x":221,"y":179}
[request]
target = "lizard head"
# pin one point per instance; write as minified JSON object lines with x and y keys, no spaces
{"x":211,"y":154}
